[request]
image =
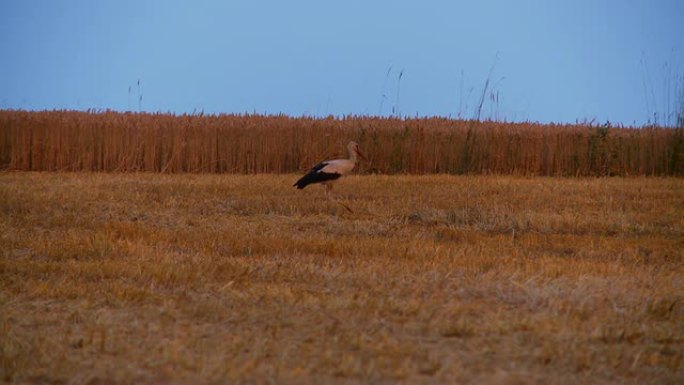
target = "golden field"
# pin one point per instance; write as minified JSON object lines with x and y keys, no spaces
{"x":203,"y":279}
{"x":248,"y":144}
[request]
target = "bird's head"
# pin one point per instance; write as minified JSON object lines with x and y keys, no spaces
{"x":354,"y":147}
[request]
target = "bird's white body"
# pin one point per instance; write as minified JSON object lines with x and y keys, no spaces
{"x":338,"y":166}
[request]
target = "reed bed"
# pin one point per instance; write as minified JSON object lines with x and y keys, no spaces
{"x":248,"y":144}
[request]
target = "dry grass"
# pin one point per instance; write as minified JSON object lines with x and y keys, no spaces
{"x":125,"y":142}
{"x":131,"y":278}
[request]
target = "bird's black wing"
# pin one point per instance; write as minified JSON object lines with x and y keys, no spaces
{"x":316,"y":175}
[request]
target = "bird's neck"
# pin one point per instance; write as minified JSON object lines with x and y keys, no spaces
{"x":352,"y":155}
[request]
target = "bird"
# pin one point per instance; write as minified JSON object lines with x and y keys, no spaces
{"x":329,"y":171}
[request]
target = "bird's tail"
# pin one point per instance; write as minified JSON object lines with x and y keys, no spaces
{"x":301,"y":183}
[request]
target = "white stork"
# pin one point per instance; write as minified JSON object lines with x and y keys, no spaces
{"x":329,"y":171}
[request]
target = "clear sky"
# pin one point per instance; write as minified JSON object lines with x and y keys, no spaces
{"x":547,"y":60}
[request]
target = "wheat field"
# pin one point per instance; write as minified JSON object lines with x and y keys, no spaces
{"x":204,"y":279}
{"x":249,"y":144}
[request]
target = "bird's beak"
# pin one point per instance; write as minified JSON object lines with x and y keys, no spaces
{"x":360,"y":154}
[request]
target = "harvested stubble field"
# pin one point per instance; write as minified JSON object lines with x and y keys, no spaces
{"x":149,"y":278}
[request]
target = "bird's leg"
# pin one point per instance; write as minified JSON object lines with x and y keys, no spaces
{"x":327,"y":187}
{"x":345,"y":206}
{"x":328,"y":194}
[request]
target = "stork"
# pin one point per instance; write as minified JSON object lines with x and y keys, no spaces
{"x":329,"y":171}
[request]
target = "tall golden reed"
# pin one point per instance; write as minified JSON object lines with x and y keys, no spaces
{"x":123,"y":142}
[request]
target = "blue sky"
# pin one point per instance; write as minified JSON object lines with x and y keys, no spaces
{"x":548,"y":61}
